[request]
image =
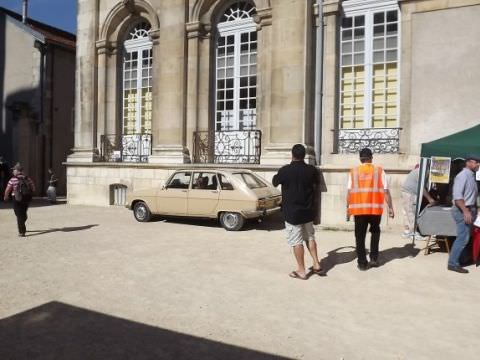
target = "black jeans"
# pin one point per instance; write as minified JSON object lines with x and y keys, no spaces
{"x":361,"y":225}
{"x":20,"y":210}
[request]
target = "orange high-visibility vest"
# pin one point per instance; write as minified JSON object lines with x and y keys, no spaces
{"x":367,"y":194}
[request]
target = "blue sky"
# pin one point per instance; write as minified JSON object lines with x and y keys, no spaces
{"x":59,"y":13}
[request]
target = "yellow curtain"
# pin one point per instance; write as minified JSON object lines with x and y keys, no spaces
{"x":352,"y":87}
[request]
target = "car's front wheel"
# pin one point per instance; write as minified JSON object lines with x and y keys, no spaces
{"x":231,"y":221}
{"x":142,"y":212}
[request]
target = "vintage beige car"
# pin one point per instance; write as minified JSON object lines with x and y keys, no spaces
{"x":231,"y":196}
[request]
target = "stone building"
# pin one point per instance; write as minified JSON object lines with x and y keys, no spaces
{"x":37,"y":92}
{"x":170,"y":84}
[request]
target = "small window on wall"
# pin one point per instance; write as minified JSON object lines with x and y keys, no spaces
{"x":118,"y":194}
{"x":369,"y":67}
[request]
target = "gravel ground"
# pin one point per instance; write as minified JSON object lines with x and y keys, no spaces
{"x":92,"y":283}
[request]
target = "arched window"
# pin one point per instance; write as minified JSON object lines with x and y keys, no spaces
{"x":137,"y":80}
{"x":236,"y":69}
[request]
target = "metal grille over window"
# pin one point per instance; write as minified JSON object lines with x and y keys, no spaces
{"x":369,"y":86}
{"x":236,"y":74}
{"x":118,"y":194}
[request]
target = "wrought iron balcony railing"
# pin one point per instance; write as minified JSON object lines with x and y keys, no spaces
{"x":227,"y":147}
{"x":380,"y":140}
{"x":126,"y":148}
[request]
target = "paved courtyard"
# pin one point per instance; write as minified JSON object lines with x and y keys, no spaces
{"x":92,"y":283}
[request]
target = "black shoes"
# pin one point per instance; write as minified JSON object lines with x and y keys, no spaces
{"x":458,"y":269}
{"x":373,"y":263}
{"x":21,"y":235}
{"x":362,"y":267}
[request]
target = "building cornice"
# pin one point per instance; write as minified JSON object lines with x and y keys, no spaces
{"x":331,"y":7}
{"x":363,"y":5}
{"x":263,"y":17}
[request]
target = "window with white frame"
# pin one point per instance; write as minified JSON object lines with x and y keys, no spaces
{"x":236,"y":69}
{"x":137,"y":81}
{"x":369,"y":65}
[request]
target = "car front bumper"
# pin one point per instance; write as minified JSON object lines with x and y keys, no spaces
{"x":260,"y":213}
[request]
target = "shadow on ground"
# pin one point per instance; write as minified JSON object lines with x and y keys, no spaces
{"x":347,"y":254}
{"x":273,"y":222}
{"x":60,"y":331}
{"x":64,"y":229}
{"x":395,"y":253}
{"x":36,"y":202}
{"x":338,"y":256}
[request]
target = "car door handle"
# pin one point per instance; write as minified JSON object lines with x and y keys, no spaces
{"x":184,"y":190}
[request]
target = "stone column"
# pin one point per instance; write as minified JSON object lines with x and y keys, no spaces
{"x":331,"y":9}
{"x":288,"y":80}
{"x":168,"y":128}
{"x":205,"y":112}
{"x":113,"y":91}
{"x":85,"y":109}
{"x":194,"y":31}
{"x":102,"y":53}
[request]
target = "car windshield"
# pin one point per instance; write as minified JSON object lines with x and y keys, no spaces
{"x":252,"y":181}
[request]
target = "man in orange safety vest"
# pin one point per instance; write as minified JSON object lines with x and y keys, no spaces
{"x":367,"y":192}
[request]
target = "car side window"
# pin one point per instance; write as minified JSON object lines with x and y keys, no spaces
{"x":225,"y":183}
{"x":180,"y":180}
{"x":252,"y":181}
{"x":204,"y":181}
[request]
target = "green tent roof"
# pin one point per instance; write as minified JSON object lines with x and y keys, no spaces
{"x":456,"y":145}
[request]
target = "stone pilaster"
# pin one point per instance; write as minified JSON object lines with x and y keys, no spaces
{"x":288,"y":80}
{"x":103,"y":50}
{"x":85,"y":109}
{"x":194,"y":31}
{"x":331,"y":13}
{"x":168,"y":128}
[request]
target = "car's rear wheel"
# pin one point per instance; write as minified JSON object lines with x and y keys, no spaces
{"x":231,"y":221}
{"x":142,"y":212}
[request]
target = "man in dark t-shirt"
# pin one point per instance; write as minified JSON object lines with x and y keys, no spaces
{"x":299,"y":182}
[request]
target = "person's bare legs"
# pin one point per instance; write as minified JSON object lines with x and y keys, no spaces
{"x":312,"y":249}
{"x":299,"y":256}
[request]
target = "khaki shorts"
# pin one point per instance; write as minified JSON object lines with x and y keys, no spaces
{"x":297,"y":234}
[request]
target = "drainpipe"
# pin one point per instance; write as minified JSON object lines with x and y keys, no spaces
{"x":24,"y":11}
{"x":319,"y":83}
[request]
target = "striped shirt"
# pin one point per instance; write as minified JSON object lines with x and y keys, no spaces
{"x":13,"y":183}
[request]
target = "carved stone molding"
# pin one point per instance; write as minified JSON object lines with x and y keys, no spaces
{"x":130,"y":6}
{"x":104,"y":47}
{"x":331,"y":7}
{"x":155,"y":36}
{"x":263,"y":17}
{"x":194,"y":29}
{"x":125,"y":12}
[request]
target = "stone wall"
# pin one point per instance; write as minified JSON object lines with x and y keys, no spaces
{"x":90,"y":185}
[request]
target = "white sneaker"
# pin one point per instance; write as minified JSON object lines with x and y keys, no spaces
{"x":418,"y":236}
{"x":406,"y":234}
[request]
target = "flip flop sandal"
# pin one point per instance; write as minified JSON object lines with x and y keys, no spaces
{"x":295,"y":275}
{"x":317,"y":272}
